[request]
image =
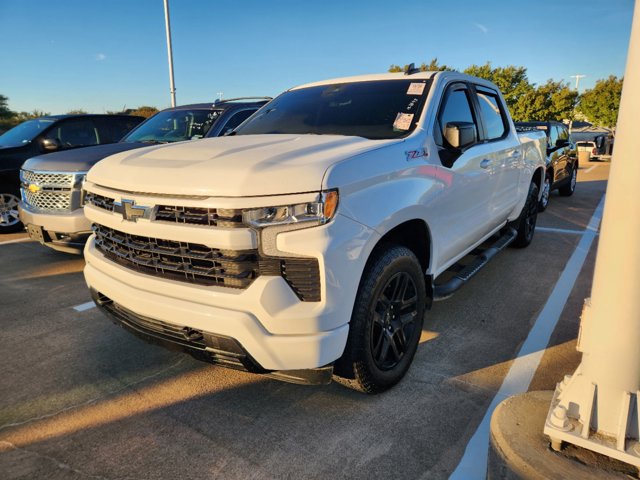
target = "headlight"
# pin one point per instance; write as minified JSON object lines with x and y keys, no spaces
{"x":305,"y":214}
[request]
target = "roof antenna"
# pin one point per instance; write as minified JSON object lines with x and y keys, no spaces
{"x":411,"y":69}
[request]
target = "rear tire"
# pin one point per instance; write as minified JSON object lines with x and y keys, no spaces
{"x":386,"y":322}
{"x":9,"y":218}
{"x":526,"y":224}
{"x":568,"y":189}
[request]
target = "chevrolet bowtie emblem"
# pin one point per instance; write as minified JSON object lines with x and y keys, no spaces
{"x":33,"y":188}
{"x":130,"y":211}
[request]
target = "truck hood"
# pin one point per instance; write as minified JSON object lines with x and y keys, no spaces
{"x":77,"y":159}
{"x":236,"y":166}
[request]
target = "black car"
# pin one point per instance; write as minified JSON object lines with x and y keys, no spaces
{"x":49,"y":134}
{"x":51,"y":184}
{"x":562,"y":159}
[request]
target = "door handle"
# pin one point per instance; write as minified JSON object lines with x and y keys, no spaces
{"x":485,"y":163}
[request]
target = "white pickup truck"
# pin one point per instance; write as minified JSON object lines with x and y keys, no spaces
{"x":311,"y":241}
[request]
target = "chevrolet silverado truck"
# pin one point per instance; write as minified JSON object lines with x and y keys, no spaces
{"x":51,"y":133}
{"x":51,"y":185}
{"x":309,"y":244}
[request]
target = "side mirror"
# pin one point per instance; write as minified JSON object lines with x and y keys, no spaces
{"x":460,"y":134}
{"x":561,"y":142}
{"x":50,"y":144}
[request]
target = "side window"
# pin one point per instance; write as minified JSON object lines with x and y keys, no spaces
{"x":74,"y":133}
{"x":553,"y":136}
{"x":457,"y":109}
{"x":492,"y":114}
{"x":563,"y":133}
{"x":120,"y":127}
{"x":236,"y":120}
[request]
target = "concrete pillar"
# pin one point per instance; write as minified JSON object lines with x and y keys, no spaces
{"x":601,"y":397}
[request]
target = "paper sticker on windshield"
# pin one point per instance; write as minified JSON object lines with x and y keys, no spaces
{"x":416,"y":88}
{"x":403,"y":121}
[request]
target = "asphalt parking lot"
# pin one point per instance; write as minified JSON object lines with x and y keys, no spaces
{"x":82,"y":398}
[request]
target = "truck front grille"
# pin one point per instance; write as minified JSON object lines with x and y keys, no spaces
{"x":202,"y":265}
{"x":50,"y":192}
{"x":181,"y":261}
{"x":211,"y":217}
{"x":58,"y":201}
{"x":48,"y":179}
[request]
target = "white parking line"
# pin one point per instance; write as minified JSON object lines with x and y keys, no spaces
{"x":84,"y":306}
{"x":589,"y":169}
{"x":16,"y":240}
{"x":473,"y":464}
{"x":559,"y":230}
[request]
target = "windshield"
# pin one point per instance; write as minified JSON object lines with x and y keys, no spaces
{"x":375,"y":110}
{"x":174,"y":126}
{"x":25,"y":132}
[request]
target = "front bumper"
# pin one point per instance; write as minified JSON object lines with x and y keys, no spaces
{"x":66,"y":232}
{"x":204,"y":346}
{"x":277,"y":330}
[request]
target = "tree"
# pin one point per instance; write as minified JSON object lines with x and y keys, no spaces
{"x":432,"y":66}
{"x":77,"y":111}
{"x":144,"y":111}
{"x":550,"y":101}
{"x":4,"y":108}
{"x":601,"y":103}
{"x":512,"y":82}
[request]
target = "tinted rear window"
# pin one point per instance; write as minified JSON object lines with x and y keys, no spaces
{"x":374,"y":110}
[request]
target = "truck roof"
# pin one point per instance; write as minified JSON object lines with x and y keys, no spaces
{"x":399,"y":76}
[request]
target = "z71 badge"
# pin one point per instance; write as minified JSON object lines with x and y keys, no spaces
{"x":413,"y":154}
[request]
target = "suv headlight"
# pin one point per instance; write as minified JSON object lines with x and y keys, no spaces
{"x":303,"y":214}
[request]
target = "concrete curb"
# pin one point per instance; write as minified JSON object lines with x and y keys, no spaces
{"x":519,"y":450}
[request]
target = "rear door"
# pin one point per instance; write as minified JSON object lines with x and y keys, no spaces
{"x":504,"y":153}
{"x":113,"y":129}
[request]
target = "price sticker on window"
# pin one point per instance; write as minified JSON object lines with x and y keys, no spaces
{"x":403,"y":121}
{"x":416,"y":88}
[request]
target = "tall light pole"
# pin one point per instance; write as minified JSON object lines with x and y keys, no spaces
{"x":578,"y":77}
{"x":598,"y":407}
{"x":172,"y":85}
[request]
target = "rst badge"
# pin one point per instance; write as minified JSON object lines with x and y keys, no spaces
{"x":130,"y":211}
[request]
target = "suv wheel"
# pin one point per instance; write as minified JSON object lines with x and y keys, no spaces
{"x":546,"y":192}
{"x":386,"y":322}
{"x":526,"y":224}
{"x":568,"y":189}
{"x":9,"y":217}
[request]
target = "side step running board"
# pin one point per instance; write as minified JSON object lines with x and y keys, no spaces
{"x":445,"y":290}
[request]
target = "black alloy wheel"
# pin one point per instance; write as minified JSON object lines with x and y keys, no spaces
{"x":386,"y":323}
{"x":394,"y":321}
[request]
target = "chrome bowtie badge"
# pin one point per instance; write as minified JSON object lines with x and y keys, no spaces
{"x":130,"y":211}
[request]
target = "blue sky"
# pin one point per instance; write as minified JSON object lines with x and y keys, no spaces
{"x":101,"y":55}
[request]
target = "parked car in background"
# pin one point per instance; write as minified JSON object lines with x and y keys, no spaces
{"x":50,"y":134}
{"x":312,"y":241}
{"x":587,"y":151}
{"x":562,"y":159}
{"x":51,"y":206}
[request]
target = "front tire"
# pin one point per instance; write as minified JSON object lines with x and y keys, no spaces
{"x":526,"y":224}
{"x":386,"y":322}
{"x":9,"y":217}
